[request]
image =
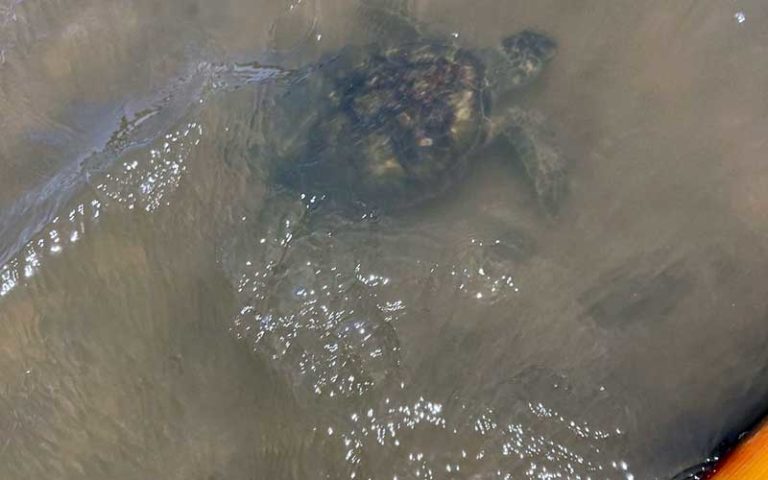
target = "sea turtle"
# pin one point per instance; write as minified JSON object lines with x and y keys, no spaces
{"x":389,"y":124}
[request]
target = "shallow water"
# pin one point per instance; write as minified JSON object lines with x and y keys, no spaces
{"x":145,"y":333}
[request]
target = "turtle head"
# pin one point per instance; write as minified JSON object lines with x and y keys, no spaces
{"x":527,"y":52}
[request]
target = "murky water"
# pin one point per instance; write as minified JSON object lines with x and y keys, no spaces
{"x":161,"y":316}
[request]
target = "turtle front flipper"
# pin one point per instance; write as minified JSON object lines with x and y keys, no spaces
{"x":532,"y":147}
{"x":389,"y":22}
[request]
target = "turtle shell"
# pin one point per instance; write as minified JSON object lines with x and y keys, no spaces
{"x":388,"y":127}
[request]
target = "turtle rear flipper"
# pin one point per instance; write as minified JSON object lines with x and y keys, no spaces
{"x":526,"y":134}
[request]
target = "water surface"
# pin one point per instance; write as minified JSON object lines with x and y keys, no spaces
{"x":145,"y":333}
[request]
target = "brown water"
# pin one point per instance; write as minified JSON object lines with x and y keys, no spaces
{"x":144,"y":335}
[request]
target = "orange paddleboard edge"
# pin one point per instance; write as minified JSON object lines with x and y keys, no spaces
{"x":748,"y":460}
